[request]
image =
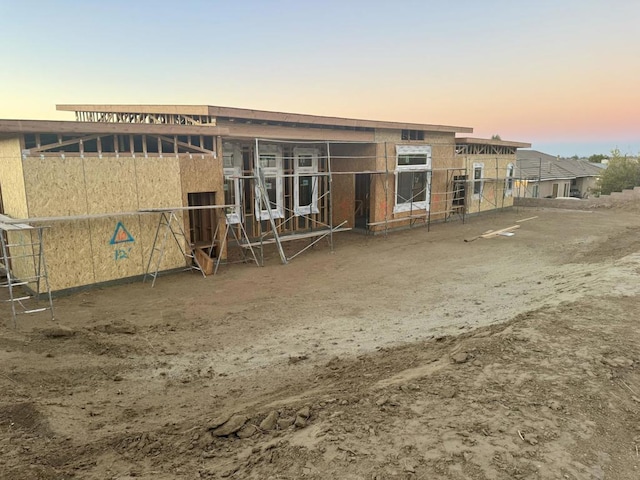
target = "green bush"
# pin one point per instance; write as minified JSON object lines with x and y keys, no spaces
{"x":621,"y":173}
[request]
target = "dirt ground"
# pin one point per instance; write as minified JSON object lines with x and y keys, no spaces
{"x":415,"y":356}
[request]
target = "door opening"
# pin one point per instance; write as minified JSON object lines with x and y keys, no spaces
{"x":362,"y":200}
{"x":202,"y":223}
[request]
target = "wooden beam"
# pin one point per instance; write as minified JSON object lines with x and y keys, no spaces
{"x":64,"y":127}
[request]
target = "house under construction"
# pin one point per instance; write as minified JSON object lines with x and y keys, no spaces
{"x":129,"y":190}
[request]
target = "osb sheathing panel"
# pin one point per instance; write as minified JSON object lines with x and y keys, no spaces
{"x":343,"y":195}
{"x":111,"y":184}
{"x":12,"y":179}
{"x":172,"y":258}
{"x":158,"y":187}
{"x":15,"y":203}
{"x":113,"y":260}
{"x":22,"y":265}
{"x":69,"y":255}
{"x":55,"y":186}
{"x":495,"y":170}
{"x":82,"y":252}
{"x":159,"y":184}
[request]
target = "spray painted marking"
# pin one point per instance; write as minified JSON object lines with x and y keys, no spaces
{"x":121,"y":253}
{"x":120,"y":235}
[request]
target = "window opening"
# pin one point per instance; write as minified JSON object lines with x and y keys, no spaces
{"x":306,"y":183}
{"x":478,"y":173}
{"x":412,"y":135}
{"x":270,"y":164}
{"x":232,"y":164}
{"x":509,"y":181}
{"x":413,"y":177}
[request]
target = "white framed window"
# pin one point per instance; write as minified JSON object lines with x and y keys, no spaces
{"x":232,"y":165}
{"x":269,"y":168}
{"x":413,"y":177}
{"x":478,"y":182}
{"x":305,"y":187}
{"x":508,"y":181}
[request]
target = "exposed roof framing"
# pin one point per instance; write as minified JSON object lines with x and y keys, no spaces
{"x":463,"y":149}
{"x":153,"y":118}
{"x":119,"y":144}
{"x":64,"y":127}
{"x":491,"y":141}
{"x":290,"y":119}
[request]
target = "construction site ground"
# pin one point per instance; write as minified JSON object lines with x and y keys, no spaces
{"x":411,"y":356}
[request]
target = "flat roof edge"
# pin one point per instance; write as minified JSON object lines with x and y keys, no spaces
{"x":260,"y":115}
{"x":491,"y":141}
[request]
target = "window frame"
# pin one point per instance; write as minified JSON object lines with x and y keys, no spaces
{"x":509,"y":180}
{"x":275,"y":172}
{"x":232,"y":174}
{"x":479,"y":181}
{"x":305,"y":171}
{"x":413,"y":150}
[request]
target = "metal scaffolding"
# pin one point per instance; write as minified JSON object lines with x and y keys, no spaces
{"x":23,"y":244}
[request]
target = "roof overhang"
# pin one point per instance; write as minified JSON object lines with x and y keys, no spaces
{"x":490,"y":141}
{"x":262,"y":115}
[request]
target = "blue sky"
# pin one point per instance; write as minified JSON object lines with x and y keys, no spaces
{"x":563,"y":75}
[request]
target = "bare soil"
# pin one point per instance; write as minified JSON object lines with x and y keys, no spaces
{"x":412,"y":356}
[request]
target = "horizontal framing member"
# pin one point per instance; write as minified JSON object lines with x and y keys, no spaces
{"x":146,"y":211}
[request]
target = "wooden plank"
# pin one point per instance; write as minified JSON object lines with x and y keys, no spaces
{"x":295,"y":236}
{"x":477,"y":236}
{"x":393,"y":220}
{"x":66,"y":127}
{"x":526,"y":219}
{"x":498,"y":232}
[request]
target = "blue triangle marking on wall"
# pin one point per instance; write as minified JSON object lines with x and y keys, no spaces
{"x":121,"y":235}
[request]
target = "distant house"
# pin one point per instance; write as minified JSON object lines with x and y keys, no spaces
{"x":540,"y":175}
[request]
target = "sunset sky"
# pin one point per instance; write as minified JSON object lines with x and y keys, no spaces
{"x":563,"y":74}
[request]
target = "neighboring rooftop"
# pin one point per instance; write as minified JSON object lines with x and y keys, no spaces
{"x":532,"y":164}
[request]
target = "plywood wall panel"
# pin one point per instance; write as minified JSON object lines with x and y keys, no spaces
{"x":111,"y":184}
{"x":83,"y":252}
{"x":159,"y":182}
{"x":343,"y":196}
{"x":172,"y":257}
{"x":69,"y":255}
{"x":55,"y":186}
{"x":117,"y":252}
{"x":12,"y":179}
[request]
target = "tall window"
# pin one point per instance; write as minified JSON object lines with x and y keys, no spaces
{"x":269,"y":170}
{"x":478,"y":174}
{"x":413,"y":177}
{"x":305,"y":182}
{"x":508,"y":181}
{"x":232,"y":164}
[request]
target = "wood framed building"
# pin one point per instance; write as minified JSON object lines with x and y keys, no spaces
{"x":490,"y":166}
{"x":99,"y":181}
